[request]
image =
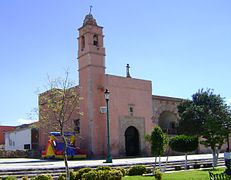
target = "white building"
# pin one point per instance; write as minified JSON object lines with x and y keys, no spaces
{"x":23,"y":137}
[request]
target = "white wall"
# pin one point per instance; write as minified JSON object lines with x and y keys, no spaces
{"x":15,"y":140}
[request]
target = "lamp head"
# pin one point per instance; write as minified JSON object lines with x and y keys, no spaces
{"x":107,"y":94}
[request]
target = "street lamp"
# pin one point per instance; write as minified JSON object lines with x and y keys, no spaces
{"x":228,"y":131}
{"x":108,"y":159}
{"x":228,"y":149}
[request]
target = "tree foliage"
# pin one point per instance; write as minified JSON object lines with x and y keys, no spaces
{"x":159,"y":141}
{"x":58,"y":107}
{"x":184,"y":143}
{"x":206,"y":115}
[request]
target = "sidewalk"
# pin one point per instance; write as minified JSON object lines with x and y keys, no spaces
{"x":24,"y":163}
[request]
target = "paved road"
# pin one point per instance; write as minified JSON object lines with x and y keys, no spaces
{"x":24,"y":163}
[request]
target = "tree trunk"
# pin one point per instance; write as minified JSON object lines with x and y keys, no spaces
{"x":215,"y":152}
{"x":166,"y":163}
{"x":154,"y":167}
{"x":159,"y":162}
{"x":186,"y":161}
{"x":65,"y":158}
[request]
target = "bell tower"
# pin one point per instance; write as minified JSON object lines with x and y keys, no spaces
{"x":91,"y":61}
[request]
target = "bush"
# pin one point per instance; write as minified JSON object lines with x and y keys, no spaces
{"x":25,"y":178}
{"x":103,"y":168}
{"x":43,"y":177}
{"x":157,"y":174}
{"x":72,"y":175}
{"x":80,"y":172}
{"x":122,"y":170}
{"x":183,"y":143}
{"x":91,"y":175}
{"x":103,"y":175}
{"x":115,"y":175}
{"x":136,"y":170}
{"x":62,"y":177}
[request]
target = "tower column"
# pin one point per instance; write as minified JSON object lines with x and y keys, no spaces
{"x":91,"y":60}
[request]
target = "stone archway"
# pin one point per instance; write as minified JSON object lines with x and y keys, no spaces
{"x":132,"y":143}
{"x":168,"y":122}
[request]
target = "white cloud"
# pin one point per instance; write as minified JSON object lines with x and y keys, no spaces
{"x":25,"y":121}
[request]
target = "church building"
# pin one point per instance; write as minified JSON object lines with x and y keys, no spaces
{"x":133,"y":110}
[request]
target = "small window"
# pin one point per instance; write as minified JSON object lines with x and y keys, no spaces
{"x":26,"y":146}
{"x":131,"y":109}
{"x":10,"y":142}
{"x":77,"y":126}
{"x":82,"y":42}
{"x":95,"y":40}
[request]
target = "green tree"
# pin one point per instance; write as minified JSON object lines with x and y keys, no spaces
{"x":57,"y":108}
{"x":207,"y":116}
{"x":159,"y":142}
{"x":184,"y":144}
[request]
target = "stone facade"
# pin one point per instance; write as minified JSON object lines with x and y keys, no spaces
{"x":165,"y":112}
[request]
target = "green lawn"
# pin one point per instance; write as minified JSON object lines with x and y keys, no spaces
{"x":183,"y":175}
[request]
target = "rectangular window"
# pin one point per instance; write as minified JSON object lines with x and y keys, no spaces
{"x":10,"y":142}
{"x":131,"y":109}
{"x":77,"y":126}
{"x":27,"y":146}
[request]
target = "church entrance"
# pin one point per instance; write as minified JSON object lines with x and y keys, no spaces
{"x":132,"y":144}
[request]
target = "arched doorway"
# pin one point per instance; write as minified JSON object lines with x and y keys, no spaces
{"x":132,"y":144}
{"x":168,"y":121}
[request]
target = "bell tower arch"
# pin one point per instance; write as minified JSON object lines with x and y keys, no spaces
{"x":91,"y":61}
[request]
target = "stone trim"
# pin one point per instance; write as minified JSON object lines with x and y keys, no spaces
{"x":124,"y":123}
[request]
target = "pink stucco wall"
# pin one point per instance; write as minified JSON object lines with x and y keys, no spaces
{"x":125,"y":92}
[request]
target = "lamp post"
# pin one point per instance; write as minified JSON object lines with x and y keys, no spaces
{"x":107,"y":96}
{"x":228,"y":131}
{"x":228,"y":149}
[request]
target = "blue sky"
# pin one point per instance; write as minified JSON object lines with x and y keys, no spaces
{"x":181,"y":46}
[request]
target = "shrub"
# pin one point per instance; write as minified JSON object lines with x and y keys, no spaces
{"x":103,"y":168}
{"x":91,"y":175}
{"x":183,"y":143}
{"x":72,"y":175}
{"x":136,"y":170}
{"x":157,"y":174}
{"x":80,"y":172}
{"x":122,"y":170}
{"x":25,"y":178}
{"x":43,"y":177}
{"x":62,"y":177}
{"x":103,"y":175}
{"x":115,"y":175}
